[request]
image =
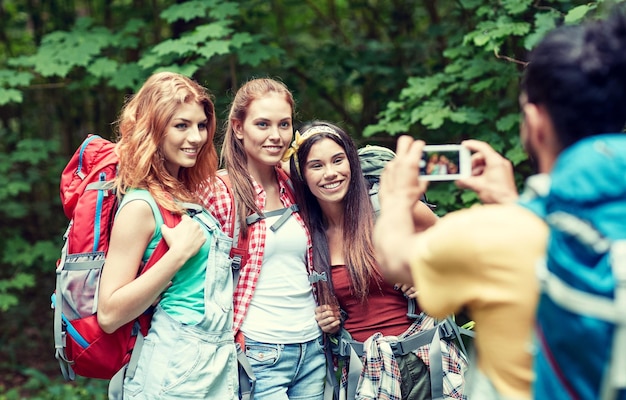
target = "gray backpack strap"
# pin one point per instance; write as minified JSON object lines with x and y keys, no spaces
{"x":331,"y":386}
{"x":436,"y":367}
{"x":284,"y":214}
{"x":247,"y":380}
{"x":355,"y":366}
{"x":57,"y":304}
{"x":412,"y":311}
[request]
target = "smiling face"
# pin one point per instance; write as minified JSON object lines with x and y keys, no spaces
{"x":266,"y":131}
{"x":327,"y":171}
{"x":185,"y":135}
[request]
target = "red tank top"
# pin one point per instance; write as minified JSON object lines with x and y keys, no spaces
{"x":384,"y":311}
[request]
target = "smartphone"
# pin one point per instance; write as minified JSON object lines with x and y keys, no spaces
{"x":445,"y":162}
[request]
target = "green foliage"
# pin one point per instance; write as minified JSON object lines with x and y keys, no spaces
{"x":22,"y":252}
{"x":473,"y":93}
{"x":39,"y":386}
{"x":18,"y":282}
{"x":442,"y":71}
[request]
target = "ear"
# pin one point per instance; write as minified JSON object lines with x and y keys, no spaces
{"x":237,"y":129}
{"x":536,"y":123}
{"x":541,"y":135}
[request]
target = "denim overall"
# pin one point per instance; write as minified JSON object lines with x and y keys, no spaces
{"x":180,"y":361}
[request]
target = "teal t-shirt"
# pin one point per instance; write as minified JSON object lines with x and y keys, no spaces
{"x":184,"y":300}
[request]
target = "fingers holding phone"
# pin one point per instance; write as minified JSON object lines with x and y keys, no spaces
{"x":491,"y":174}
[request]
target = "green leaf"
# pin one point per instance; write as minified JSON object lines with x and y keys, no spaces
{"x":149,"y":60}
{"x":214,"y":47}
{"x":544,"y":22}
{"x":187,"y":69}
{"x":179,"y":47}
{"x":19,"y":281}
{"x":431,"y":114}
{"x":467,"y":115}
{"x":103,"y":67}
{"x":508,"y":123}
{"x":8,"y":96}
{"x":391,"y":128}
{"x":61,"y":51}
{"x":185,"y":11}
{"x":224,"y":10}
{"x":213,"y":30}
{"x":7,"y":301}
{"x":469,"y":197}
{"x":12,"y":78}
{"x":420,"y":87}
{"x":516,"y":155}
{"x":255,"y":54}
{"x":516,"y":6}
{"x":576,"y":14}
{"x":128,"y":76}
{"x":132,"y":26}
{"x":240,"y":39}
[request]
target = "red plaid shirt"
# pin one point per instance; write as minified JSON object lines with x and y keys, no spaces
{"x":218,"y":202}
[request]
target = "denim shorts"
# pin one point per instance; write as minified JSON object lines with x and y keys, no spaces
{"x":288,"y":371}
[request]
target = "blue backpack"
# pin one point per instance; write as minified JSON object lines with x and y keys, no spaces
{"x":581,"y":316}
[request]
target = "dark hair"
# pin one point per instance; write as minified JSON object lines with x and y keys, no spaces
{"x":358,"y":219}
{"x":579,"y":74}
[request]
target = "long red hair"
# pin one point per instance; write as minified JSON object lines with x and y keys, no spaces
{"x":141,"y":129}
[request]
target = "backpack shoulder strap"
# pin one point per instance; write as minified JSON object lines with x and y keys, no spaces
{"x":239,"y":249}
{"x":170,"y":219}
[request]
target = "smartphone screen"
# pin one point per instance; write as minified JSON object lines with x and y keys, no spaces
{"x":445,"y":162}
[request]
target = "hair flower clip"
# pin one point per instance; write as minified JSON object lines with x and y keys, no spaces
{"x":295,"y":145}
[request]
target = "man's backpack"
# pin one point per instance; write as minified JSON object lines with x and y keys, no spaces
{"x":583,"y":277}
{"x":81,"y":346}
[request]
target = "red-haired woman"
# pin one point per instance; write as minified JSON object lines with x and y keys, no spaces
{"x":166,"y":152}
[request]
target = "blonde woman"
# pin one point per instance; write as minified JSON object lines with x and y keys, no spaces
{"x":274,"y":299}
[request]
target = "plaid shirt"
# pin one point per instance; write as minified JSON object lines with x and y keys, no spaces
{"x":218,"y":202}
{"x":380,"y":377}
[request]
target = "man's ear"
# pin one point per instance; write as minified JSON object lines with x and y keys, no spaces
{"x":533,"y":119}
{"x":539,"y":126}
{"x":541,"y":135}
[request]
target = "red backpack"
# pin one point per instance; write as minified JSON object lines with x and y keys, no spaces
{"x":81,"y":346}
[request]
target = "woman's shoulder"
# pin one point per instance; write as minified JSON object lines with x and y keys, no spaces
{"x":137,"y":194}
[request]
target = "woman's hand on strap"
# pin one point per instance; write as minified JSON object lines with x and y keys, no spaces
{"x":328,"y":318}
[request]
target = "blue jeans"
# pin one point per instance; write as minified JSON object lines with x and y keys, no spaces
{"x":288,"y":371}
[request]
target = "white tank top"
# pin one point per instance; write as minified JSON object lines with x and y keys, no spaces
{"x":282,"y":309}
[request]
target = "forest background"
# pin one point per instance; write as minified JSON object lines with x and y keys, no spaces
{"x":442,"y":71}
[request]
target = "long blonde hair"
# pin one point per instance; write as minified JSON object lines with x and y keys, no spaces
{"x":233,"y":153}
{"x":141,"y":129}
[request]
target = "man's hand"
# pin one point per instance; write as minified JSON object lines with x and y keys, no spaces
{"x":400,"y":191}
{"x":492,"y":175}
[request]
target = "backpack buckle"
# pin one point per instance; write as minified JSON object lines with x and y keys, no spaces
{"x":396,"y":347}
{"x":446,"y":331}
{"x":235,"y":263}
{"x":315,"y":277}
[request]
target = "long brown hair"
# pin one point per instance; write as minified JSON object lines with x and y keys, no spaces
{"x":233,"y":154}
{"x":358,"y":214}
{"x":141,"y":129}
